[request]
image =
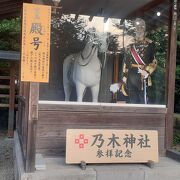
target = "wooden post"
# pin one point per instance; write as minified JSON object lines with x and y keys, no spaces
{"x":171,"y":77}
{"x":116,"y":68}
{"x":11,"y":101}
{"x":32,"y":122}
{"x":116,"y":73}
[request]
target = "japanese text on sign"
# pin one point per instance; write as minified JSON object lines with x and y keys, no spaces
{"x":108,"y":146}
{"x":35,"y":53}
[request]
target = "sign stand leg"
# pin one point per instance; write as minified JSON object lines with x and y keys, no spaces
{"x":83,"y":165}
{"x":150,"y":164}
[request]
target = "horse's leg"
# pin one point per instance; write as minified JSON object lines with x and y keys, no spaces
{"x":80,"y":91}
{"x":66,"y":81}
{"x":67,"y":91}
{"x":95,"y":93}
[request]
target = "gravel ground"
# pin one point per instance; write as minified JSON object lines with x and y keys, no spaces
{"x":6,"y":157}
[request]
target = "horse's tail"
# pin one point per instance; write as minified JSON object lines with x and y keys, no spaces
{"x":67,"y":73}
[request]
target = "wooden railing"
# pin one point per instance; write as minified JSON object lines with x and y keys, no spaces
{"x":4,"y":96}
{"x":8,"y":94}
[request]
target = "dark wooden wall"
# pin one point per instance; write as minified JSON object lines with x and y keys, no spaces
{"x":8,"y":91}
{"x":55,"y":119}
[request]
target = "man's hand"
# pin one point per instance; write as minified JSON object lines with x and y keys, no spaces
{"x":143,"y":73}
{"x":124,"y":79}
{"x":114,"y":87}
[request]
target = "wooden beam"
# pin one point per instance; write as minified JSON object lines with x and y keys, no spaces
{"x":9,"y":1}
{"x":32,"y":112}
{"x":4,"y":77}
{"x":10,"y":4}
{"x":68,"y":7}
{"x":7,"y":105}
{"x":11,"y":101}
{"x":4,"y":95}
{"x":116,"y":73}
{"x":11,"y":9}
{"x":4,"y":86}
{"x":4,"y":105}
{"x":10,"y":55}
{"x":32,"y":123}
{"x":171,"y":78}
{"x":4,"y":68}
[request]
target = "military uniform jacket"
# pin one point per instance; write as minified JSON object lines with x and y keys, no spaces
{"x":145,"y":50}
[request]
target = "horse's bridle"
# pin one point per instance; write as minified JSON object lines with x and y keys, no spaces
{"x":85,"y":58}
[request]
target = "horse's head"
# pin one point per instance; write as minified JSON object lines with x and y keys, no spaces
{"x":99,"y":42}
{"x":90,"y":45}
{"x":97,"y":39}
{"x":90,"y":48}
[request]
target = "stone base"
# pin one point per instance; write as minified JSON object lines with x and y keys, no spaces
{"x":56,"y":169}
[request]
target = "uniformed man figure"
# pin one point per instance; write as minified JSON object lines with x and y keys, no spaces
{"x":138,"y":66}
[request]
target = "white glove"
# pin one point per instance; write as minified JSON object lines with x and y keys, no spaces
{"x":143,"y":73}
{"x":114,"y":88}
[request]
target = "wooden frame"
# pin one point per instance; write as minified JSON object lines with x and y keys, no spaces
{"x":32,"y":119}
{"x":171,"y":75}
{"x":55,"y":117}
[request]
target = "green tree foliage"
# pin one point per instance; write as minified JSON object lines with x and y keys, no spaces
{"x":178,"y":40}
{"x":10,"y":31}
{"x":68,"y":34}
{"x":160,"y":40}
{"x":177,"y":87}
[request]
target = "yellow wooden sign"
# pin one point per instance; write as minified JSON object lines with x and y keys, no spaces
{"x":35,"y":52}
{"x":111,"y":146}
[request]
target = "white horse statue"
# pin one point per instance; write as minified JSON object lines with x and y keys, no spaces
{"x":84,"y":70}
